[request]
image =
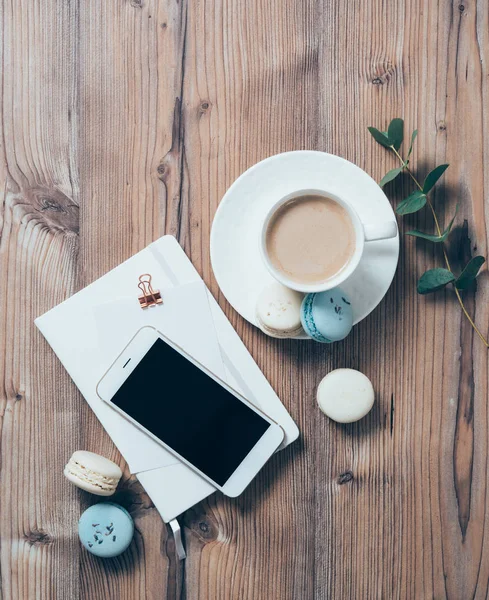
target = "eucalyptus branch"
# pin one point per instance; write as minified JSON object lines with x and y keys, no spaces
{"x":434,"y":279}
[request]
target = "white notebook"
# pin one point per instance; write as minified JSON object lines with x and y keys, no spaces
{"x":89,"y":330}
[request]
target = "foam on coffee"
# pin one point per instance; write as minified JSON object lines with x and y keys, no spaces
{"x":310,"y":239}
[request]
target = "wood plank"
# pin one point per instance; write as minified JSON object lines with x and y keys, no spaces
{"x":359,"y":478}
{"x":250,"y":91}
{"x":38,"y":248}
{"x":412,"y":528}
{"x":129,"y":77}
{"x":63,"y":99}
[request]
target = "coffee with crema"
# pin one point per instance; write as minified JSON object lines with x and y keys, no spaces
{"x":310,"y":239}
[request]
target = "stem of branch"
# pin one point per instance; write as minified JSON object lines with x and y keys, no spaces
{"x":445,"y":255}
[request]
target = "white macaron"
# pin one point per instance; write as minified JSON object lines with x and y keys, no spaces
{"x":278,"y":311}
{"x":93,"y":473}
{"x":345,"y":395}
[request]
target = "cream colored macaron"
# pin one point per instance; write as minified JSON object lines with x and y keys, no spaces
{"x":278,"y":311}
{"x":345,"y":395}
{"x":93,"y":473}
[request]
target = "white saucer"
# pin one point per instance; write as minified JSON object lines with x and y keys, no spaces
{"x":235,"y":235}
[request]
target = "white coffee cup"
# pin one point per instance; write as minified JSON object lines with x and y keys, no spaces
{"x":364,"y":233}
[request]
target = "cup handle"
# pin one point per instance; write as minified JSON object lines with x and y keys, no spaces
{"x":380,"y":231}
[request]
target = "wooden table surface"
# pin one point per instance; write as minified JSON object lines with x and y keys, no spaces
{"x":123,"y":120}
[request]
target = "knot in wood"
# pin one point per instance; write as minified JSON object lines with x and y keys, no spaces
{"x":53,"y":208}
{"x":164,"y":169}
{"x":38,"y":538}
{"x":204,"y":107}
{"x":382,"y":72}
{"x":51,"y":204}
{"x":203,"y":526}
{"x":206,"y":530}
{"x":345,"y":477}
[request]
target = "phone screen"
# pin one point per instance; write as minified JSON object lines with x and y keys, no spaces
{"x":190,"y":412}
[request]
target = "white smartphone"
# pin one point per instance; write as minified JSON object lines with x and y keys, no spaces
{"x":190,"y":411}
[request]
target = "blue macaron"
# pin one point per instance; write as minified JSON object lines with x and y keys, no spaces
{"x":106,"y":529}
{"x":327,"y":316}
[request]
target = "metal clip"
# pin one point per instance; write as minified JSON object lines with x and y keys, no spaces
{"x":149,"y":297}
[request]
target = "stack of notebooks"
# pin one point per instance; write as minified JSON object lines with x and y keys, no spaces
{"x":89,"y":330}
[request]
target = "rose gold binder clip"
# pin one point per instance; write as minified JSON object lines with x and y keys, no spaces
{"x":149,"y":297}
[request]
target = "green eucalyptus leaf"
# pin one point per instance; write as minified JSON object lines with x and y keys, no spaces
{"x":395,"y":132}
{"x":413,"y":137}
{"x":434,"y":280}
{"x":470,"y":272}
{"x":391,"y":175}
{"x":437,"y":239}
{"x":380,"y":137}
{"x":412,"y":203}
{"x":427,"y":236}
{"x":432,"y":178}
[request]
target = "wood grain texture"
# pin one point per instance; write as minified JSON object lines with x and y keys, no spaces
{"x":125,"y":119}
